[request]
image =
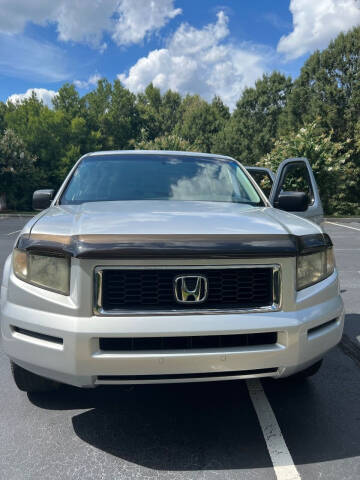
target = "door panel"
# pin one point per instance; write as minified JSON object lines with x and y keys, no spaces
{"x":295,"y":174}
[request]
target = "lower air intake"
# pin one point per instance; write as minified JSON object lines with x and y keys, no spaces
{"x":126,"y":344}
{"x":184,"y":376}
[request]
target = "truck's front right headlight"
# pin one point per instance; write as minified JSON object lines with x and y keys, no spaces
{"x":314,"y":267}
{"x":51,"y":272}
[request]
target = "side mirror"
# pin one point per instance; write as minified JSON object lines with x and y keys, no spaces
{"x":42,"y":199}
{"x":292,"y":201}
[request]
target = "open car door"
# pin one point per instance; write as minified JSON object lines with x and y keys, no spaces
{"x":296,"y":175}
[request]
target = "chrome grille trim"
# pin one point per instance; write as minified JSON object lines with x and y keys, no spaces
{"x":98,"y":288}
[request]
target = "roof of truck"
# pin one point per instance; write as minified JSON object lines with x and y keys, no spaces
{"x":157,"y":152}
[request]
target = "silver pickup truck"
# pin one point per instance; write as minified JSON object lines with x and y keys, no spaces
{"x":155,"y":266}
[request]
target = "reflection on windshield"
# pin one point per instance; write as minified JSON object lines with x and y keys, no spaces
{"x":158,"y":177}
{"x":209,"y":178}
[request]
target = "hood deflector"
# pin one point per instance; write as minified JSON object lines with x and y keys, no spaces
{"x":175,"y":246}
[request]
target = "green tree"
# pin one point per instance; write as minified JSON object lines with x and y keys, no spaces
{"x":199,"y":122}
{"x":328,"y":89}
{"x":96,"y":105}
{"x":3,"y":109}
{"x":158,"y":114}
{"x":220,"y":108}
{"x":148,"y":106}
{"x":120,"y":123}
{"x":166,"y":142}
{"x":252,"y":129}
{"x":81,"y":140}
{"x":16,"y":169}
{"x":169,"y":111}
{"x":68,"y":101}
{"x":42,"y":131}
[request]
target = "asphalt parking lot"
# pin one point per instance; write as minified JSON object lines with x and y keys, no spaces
{"x":195,"y":431}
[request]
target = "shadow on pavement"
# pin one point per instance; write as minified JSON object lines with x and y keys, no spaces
{"x":213,"y":426}
{"x":320,"y":423}
{"x":205,"y":426}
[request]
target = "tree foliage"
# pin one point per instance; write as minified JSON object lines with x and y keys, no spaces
{"x":16,"y":168}
{"x":166,"y":142}
{"x":200,"y":121}
{"x":252,"y":129}
{"x":317,"y":116}
{"x":328,"y":89}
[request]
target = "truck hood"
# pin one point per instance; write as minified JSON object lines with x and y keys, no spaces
{"x":164,"y":223}
{"x":168,"y":217}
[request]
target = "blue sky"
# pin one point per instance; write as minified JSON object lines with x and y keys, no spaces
{"x":193,"y":46}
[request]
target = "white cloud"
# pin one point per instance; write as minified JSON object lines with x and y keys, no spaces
{"x":199,"y":61}
{"x":139,"y":17}
{"x":128,"y":21}
{"x":80,"y":21}
{"x":316,"y":22}
{"x":42,"y":94}
{"x":91,"y":81}
{"x":188,"y":40}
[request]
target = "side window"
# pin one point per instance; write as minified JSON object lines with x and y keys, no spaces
{"x":295,"y":178}
{"x":263,"y":179}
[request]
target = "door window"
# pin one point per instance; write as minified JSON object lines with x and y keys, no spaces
{"x":295,"y":178}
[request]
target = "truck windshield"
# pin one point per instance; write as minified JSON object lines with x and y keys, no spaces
{"x":103,"y":178}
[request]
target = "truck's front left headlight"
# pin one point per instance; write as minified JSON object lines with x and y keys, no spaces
{"x":314,"y":267}
{"x":51,"y":272}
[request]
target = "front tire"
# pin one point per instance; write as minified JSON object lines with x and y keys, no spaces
{"x":30,"y":382}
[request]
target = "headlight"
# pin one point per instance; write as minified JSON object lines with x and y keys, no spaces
{"x":45,"y":271}
{"x":314,"y":267}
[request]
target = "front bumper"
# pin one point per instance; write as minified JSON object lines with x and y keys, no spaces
{"x":78,"y":360}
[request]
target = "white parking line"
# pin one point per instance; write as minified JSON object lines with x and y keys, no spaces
{"x":346,"y":249}
{"x":280,"y":456}
{"x":345,"y":226}
{"x":12,"y":233}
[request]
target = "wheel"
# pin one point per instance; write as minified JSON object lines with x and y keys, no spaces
{"x":308,"y":372}
{"x":29,"y":382}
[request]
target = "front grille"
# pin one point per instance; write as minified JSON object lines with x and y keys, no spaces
{"x":126,"y":344}
{"x":153,"y":289}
